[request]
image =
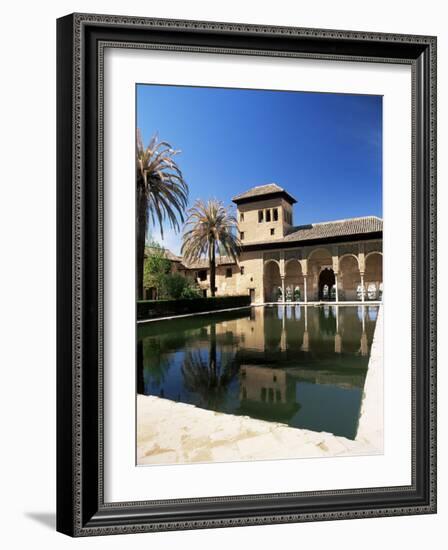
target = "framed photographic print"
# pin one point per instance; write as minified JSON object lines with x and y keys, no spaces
{"x":246,"y":274}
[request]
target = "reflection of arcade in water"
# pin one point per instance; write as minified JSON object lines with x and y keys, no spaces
{"x":293,"y":328}
{"x":304,"y":366}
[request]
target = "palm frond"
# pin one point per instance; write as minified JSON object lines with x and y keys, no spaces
{"x":209,"y":224}
{"x":162,"y":182}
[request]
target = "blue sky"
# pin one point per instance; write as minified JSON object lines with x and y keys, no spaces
{"x":324,"y":149}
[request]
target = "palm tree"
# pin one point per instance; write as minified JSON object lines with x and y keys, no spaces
{"x":210,"y":229}
{"x":162,"y":194}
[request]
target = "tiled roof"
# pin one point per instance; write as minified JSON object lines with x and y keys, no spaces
{"x":261,"y":190}
{"x":168,"y":254}
{"x":323,"y":230}
{"x":351,"y":226}
{"x":203,"y":263}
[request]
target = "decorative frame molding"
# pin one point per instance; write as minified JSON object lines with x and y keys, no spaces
{"x":81,"y":510}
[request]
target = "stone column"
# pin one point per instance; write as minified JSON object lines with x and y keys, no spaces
{"x":362,"y":267}
{"x":304,"y":268}
{"x":282,"y":273}
{"x":335,"y":262}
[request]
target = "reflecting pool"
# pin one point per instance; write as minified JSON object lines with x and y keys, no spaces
{"x":304,"y":366}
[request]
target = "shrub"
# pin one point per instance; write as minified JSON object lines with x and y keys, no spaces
{"x":190,"y":292}
{"x":172,"y":286}
{"x":175,"y":286}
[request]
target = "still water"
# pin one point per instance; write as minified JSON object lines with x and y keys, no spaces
{"x":304,"y":366}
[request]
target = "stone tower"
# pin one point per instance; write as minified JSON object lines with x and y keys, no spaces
{"x":264,"y":213}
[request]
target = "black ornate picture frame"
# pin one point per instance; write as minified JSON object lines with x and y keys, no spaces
{"x":81,"y":40}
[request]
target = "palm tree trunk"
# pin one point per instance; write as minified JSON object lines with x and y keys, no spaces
{"x":142,"y":221}
{"x":212,"y":268}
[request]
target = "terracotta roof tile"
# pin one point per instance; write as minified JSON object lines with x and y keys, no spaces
{"x":168,"y":254}
{"x":261,"y":190}
{"x":351,"y":226}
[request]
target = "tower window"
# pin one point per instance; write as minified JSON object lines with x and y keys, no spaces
{"x":260,"y":216}
{"x":228,"y":272}
{"x":272,"y":231}
{"x":242,"y":217}
{"x":275,"y":214}
{"x":268,"y":215}
{"x":242,"y":270}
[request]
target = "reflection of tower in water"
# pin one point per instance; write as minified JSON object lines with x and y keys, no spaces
{"x":262,"y":384}
{"x":267,"y":393}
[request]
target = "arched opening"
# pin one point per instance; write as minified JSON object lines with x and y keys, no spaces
{"x":373,"y":276}
{"x":327,"y":283}
{"x":293,"y":281}
{"x":272,"y":282}
{"x":349,"y":278}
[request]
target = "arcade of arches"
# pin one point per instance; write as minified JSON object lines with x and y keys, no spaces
{"x":323,"y":274}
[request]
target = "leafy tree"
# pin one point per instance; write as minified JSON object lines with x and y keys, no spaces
{"x":156,"y":268}
{"x":157,"y":274}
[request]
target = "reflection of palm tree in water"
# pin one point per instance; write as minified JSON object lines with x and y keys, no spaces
{"x":207,"y":376}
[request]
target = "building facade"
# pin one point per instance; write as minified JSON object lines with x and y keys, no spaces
{"x":281,"y":262}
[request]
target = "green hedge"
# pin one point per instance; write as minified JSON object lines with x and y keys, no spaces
{"x":152,"y":309}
